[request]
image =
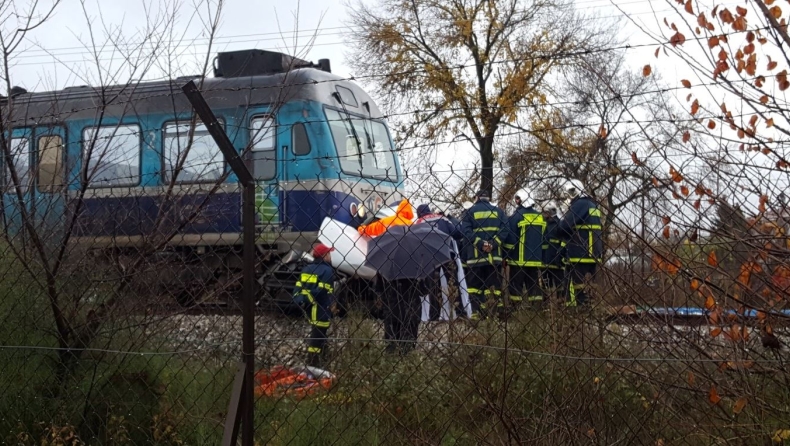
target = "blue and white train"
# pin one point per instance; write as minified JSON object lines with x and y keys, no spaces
{"x":128,"y":167}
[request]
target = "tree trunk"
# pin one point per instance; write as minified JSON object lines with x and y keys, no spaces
{"x":486,"y":144}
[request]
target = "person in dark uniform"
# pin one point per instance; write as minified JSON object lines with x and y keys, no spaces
{"x":580,"y":228}
{"x":315,"y":293}
{"x":525,"y":250}
{"x":553,"y":253}
{"x":402,"y":307}
{"x":485,"y":229}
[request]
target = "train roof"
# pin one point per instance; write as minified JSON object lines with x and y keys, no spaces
{"x":158,"y":97}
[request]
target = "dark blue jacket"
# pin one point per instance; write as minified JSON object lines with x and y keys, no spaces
{"x":316,"y":285}
{"x":552,"y":245}
{"x":441,"y":223}
{"x":525,"y":237}
{"x":581,"y":229}
{"x":484,"y":222}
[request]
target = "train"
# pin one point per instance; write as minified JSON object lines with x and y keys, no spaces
{"x":130,"y":168}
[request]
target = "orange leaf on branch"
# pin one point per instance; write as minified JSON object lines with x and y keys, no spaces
{"x":711,"y":124}
{"x":739,"y":24}
{"x":686,"y":136}
{"x":676,"y":176}
{"x":726,"y":16}
{"x":764,"y":99}
{"x":665,"y":232}
{"x":686,"y":83}
{"x":710,"y":302}
{"x":635,"y":159}
{"x":776,"y":12}
{"x":677,"y":39}
{"x":646,"y":70}
{"x":695,"y":107}
{"x":739,"y":405}
{"x":684,"y":190}
{"x":695,"y":284}
{"x":712,"y":260}
{"x":666,"y":220}
{"x":689,"y":9}
{"x":713,"y":41}
{"x":741,"y":10}
{"x":697,"y":204}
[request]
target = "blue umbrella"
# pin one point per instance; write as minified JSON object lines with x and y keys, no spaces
{"x":409,"y":252}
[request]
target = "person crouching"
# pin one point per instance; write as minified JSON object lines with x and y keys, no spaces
{"x":314,"y":292}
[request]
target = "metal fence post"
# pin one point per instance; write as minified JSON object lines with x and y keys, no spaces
{"x":246,"y":401}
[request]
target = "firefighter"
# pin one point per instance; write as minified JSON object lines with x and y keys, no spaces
{"x":552,"y":252}
{"x":485,"y":229}
{"x":580,"y":228}
{"x":525,"y":250}
{"x":314,"y":292}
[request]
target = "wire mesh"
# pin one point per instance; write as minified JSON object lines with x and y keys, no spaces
{"x":121,"y":321}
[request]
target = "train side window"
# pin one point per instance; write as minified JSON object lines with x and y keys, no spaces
{"x":198,"y":161}
{"x":263,"y":140}
{"x":112,"y":154}
{"x":299,"y":139}
{"x":20,"y":155}
{"x":50,"y":163}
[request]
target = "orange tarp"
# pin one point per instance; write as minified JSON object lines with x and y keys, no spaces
{"x":281,"y":381}
{"x":403,"y":216}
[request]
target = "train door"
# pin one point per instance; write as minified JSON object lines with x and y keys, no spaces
{"x":49,"y":177}
{"x":20,"y":145}
{"x":263,"y":161}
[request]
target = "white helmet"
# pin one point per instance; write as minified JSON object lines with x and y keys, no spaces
{"x":573,"y":188}
{"x":550,"y":207}
{"x":525,"y":197}
{"x":467,"y":205}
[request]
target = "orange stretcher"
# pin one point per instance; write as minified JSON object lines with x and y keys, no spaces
{"x":404,"y":215}
{"x":300,"y":382}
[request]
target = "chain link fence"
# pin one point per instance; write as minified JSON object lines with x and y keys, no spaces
{"x":111,"y":339}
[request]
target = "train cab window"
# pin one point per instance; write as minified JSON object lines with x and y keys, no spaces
{"x":50,"y":163}
{"x":20,"y":155}
{"x":347,"y":96}
{"x":299,"y":139}
{"x":263,"y":139}
{"x":112,"y":154}
{"x":194,"y":158}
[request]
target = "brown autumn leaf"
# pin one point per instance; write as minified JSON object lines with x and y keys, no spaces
{"x":769,"y":122}
{"x":761,"y":315}
{"x":713,"y":395}
{"x":750,"y":36}
{"x":763,"y":202}
{"x":776,"y":12}
{"x":772,"y":64}
{"x":677,"y":39}
{"x":676,"y":176}
{"x":723,"y":55}
{"x":690,"y":378}
{"x":666,"y":220}
{"x":694,"y":235}
{"x":688,"y":7}
{"x":784,"y":85}
{"x":697,"y":204}
{"x":695,"y":107}
{"x":726,"y":16}
{"x":686,"y":83}
{"x":713,"y":41}
{"x":657,"y":50}
{"x":686,"y":136}
{"x":715,"y":332}
{"x":635,"y":159}
{"x":710,"y":303}
{"x":739,"y":405}
{"x":712,"y":260}
{"x":739,"y":24}
{"x":655,"y":182}
{"x":764,"y":99}
{"x":646,"y":70}
{"x":741,"y":10}
{"x":665,"y":232}
{"x":684,"y":190}
{"x":695,"y":284}
{"x":711,"y":124}
{"x":602,"y":131}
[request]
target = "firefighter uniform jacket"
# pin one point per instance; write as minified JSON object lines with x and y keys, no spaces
{"x":482,"y":223}
{"x":316,"y":284}
{"x":552,"y":245}
{"x":525,"y":237}
{"x":581,"y":228}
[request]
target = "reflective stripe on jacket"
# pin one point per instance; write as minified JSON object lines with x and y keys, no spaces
{"x":316,"y":282}
{"x":581,"y":228}
{"x":482,"y":223}
{"x":525,"y":237}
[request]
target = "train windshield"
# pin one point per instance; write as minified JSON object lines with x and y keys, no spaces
{"x":363,"y":146}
